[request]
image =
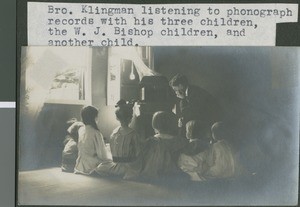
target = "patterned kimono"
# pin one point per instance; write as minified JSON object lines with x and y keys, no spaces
{"x":158,"y":158}
{"x":124,"y":146}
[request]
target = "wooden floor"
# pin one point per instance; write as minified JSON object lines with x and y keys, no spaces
{"x":53,"y":187}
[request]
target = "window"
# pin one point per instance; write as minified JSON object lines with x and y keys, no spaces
{"x":58,"y":74}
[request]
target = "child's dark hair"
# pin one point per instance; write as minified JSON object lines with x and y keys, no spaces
{"x":70,"y":122}
{"x":88,"y":115}
{"x":73,"y":130}
{"x":68,"y":125}
{"x":124,"y":111}
{"x":165,"y":122}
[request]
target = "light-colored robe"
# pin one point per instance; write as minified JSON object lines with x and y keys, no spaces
{"x":91,"y":150}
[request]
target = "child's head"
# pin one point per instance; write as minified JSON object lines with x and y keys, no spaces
{"x":123,"y":113}
{"x":164,"y":123}
{"x":196,"y":129}
{"x":73,"y":129}
{"x":70,"y":122}
{"x":89,"y":114}
{"x":217,"y":130}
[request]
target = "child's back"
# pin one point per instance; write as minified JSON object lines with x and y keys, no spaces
{"x":70,"y":151}
{"x":91,"y":150}
{"x":91,"y":146}
{"x":220,"y":160}
{"x":124,"y":144}
{"x":158,"y":158}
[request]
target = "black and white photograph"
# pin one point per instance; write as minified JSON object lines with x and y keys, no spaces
{"x":158,"y":126}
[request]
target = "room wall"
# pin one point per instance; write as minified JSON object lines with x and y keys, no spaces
{"x":252,"y":78}
{"x":107,"y":121}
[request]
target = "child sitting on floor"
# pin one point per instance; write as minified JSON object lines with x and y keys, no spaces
{"x":198,"y":137}
{"x":70,"y":152}
{"x":192,"y":158}
{"x":91,"y":146}
{"x":159,"y":156}
{"x":124,"y":142}
{"x":217,"y":161}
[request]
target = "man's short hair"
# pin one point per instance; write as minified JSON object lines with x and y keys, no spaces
{"x":179,"y":79}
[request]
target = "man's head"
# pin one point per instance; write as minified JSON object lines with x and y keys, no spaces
{"x":179,"y":84}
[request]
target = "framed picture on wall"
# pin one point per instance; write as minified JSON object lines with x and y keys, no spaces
{"x":68,"y":85}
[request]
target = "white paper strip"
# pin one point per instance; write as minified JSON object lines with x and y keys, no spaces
{"x":80,"y":24}
{"x":7,"y":104}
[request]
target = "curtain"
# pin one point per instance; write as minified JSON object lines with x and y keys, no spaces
{"x":116,"y":54}
{"x":131,"y":53}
